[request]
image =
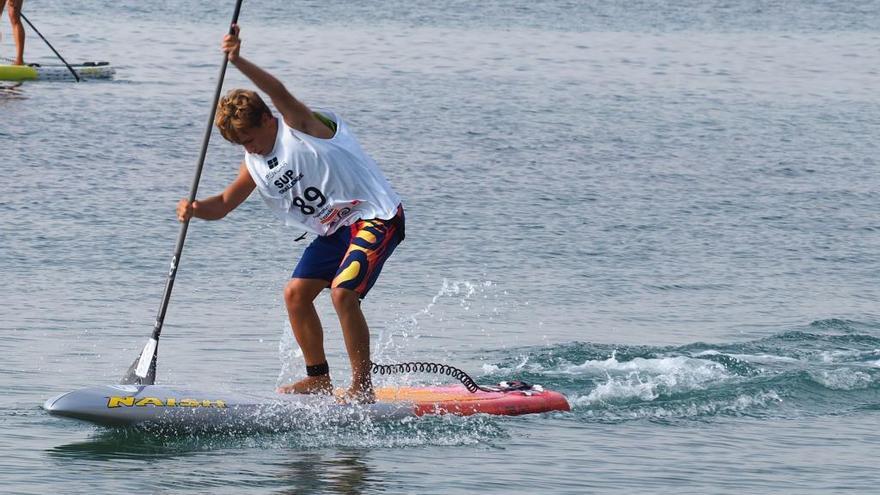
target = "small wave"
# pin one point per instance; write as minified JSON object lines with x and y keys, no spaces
{"x":817,"y":371}
{"x":841,"y":325}
{"x":839,"y":356}
{"x":809,"y":338}
{"x":752,"y":358}
{"x":842,"y":379}
{"x":648,"y":379}
{"x":738,"y":405}
{"x":490,"y":368}
{"x":674,"y":366}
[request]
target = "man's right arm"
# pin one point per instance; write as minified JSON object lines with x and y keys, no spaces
{"x":294,"y":112}
{"x":217,"y":207}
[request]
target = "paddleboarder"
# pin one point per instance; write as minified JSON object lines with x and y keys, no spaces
{"x":17,"y":27}
{"x":312,"y":173}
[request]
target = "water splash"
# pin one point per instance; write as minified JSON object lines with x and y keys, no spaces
{"x":394,"y":341}
{"x":289,"y":353}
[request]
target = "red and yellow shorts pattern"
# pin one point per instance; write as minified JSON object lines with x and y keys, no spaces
{"x":352,"y":257}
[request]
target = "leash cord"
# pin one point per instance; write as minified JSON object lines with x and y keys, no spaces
{"x":434,"y":368}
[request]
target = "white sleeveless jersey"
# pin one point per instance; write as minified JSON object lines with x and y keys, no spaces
{"x":319,"y":184}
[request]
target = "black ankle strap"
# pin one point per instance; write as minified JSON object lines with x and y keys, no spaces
{"x":318,"y":369}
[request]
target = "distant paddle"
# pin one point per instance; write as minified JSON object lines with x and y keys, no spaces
{"x":75,"y":75}
{"x":143,"y":370}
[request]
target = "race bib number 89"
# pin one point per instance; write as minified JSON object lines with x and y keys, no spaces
{"x":311,"y":194}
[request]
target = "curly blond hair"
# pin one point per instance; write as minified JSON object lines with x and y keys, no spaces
{"x":240,"y":109}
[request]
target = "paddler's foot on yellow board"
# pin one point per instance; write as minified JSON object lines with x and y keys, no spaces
{"x":357,"y":394}
{"x":309,"y":385}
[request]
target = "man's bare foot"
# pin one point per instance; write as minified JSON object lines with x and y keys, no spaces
{"x":358,"y":394}
{"x":309,"y":385}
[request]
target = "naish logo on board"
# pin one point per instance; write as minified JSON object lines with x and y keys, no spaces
{"x":131,"y":401}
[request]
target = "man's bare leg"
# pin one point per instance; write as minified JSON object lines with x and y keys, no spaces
{"x":299,"y":297}
{"x":17,"y":30}
{"x":357,"y":343}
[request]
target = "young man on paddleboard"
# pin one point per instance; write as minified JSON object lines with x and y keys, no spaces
{"x":310,"y":170}
{"x":17,"y":27}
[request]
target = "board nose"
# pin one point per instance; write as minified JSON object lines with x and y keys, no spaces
{"x":59,"y":405}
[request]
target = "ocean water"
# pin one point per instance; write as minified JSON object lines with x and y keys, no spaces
{"x":666,"y":211}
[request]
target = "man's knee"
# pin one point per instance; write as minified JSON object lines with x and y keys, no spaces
{"x":344,"y":298}
{"x":297,"y":297}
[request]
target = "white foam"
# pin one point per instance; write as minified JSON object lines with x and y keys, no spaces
{"x":839,"y":356}
{"x":628,"y":388}
{"x":764,"y":358}
{"x":751,"y":358}
{"x":647,"y":379}
{"x":842,"y":379}
{"x":737,"y":405}
{"x":490,"y":368}
{"x":663,"y":365}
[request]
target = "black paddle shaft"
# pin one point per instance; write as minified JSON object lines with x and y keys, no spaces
{"x":131,"y":376}
{"x":75,"y":75}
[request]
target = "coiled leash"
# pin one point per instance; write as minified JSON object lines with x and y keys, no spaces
{"x":445,"y":369}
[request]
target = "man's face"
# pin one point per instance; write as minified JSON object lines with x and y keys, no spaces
{"x":259,"y":140}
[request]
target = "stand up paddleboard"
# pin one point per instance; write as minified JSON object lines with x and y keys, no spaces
{"x":181,"y":408}
{"x":85,"y":70}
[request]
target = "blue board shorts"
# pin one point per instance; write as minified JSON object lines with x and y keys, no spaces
{"x":353,"y":256}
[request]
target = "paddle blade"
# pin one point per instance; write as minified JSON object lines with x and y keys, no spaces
{"x":143,"y":370}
